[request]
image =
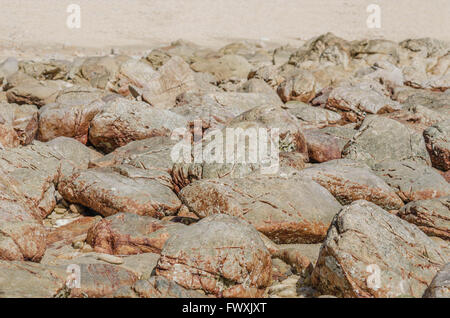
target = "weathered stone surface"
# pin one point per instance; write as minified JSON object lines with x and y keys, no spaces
{"x":431,"y":216}
{"x":122,"y":121}
{"x":440,"y":286}
{"x":321,"y":147}
{"x":412,"y":180}
{"x":381,"y":138}
{"x":350,"y":181}
{"x":70,"y":115}
{"x":67,"y":233}
{"x":46,"y":70}
{"x":37,"y":168}
{"x":437,"y":139}
{"x":312,"y":117}
{"x":136,"y":73}
{"x":22,"y":235}
{"x":220,"y":255}
{"x":173,"y":78}
{"x":19,"y":122}
{"x":301,"y":87}
{"x":225,"y":67}
{"x":98,"y":71}
{"x":355,"y":102}
{"x":371,"y":253}
{"x":128,"y":234}
{"x":122,"y":188}
{"x":343,"y":133}
{"x":161,"y":287}
{"x":269,"y":204}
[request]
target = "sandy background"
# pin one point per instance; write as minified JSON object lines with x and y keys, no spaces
{"x":40,"y":25}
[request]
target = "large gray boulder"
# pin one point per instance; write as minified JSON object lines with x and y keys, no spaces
{"x":372,"y":253}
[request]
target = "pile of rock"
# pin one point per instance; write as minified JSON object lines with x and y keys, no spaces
{"x":358,"y":205}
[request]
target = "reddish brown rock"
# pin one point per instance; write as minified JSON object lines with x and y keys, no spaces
{"x":128,"y":234}
{"x":221,"y":255}
{"x":321,"y":147}
{"x":18,"y":124}
{"x":437,"y":140}
{"x":68,"y":232}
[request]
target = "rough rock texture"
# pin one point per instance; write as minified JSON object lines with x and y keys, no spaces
{"x":321,"y":147}
{"x":301,"y":216}
{"x":70,"y":115}
{"x":161,"y":287}
{"x":299,"y":88}
{"x":224,"y":68}
{"x":122,"y":121}
{"x":431,"y":216}
{"x":350,"y":181}
{"x":18,"y":124}
{"x":122,"y":188}
{"x":412,"y":180}
{"x":437,"y":139}
{"x":127,"y":234}
{"x":312,"y":117}
{"x":221,"y":255}
{"x":173,"y":79}
{"x":371,"y":253}
{"x":440,"y":286}
{"x":381,"y":138}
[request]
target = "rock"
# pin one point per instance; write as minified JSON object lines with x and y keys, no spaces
{"x":8,"y":67}
{"x":225,"y":67}
{"x":215,"y":109}
{"x":22,"y":235}
{"x":312,"y":117}
{"x":437,"y":140}
{"x":343,"y":133}
{"x":292,"y":252}
{"x":122,"y":121}
{"x":30,"y":280}
{"x":70,"y":115}
{"x":127,"y":234}
{"x":37,"y":168}
{"x":21,"y":121}
{"x":161,"y":287}
{"x":220,"y":255}
{"x":299,"y":88}
{"x":350,"y":181}
{"x":381,"y":138}
{"x":136,"y":74}
{"x":98,"y":71}
{"x":440,"y":286}
{"x":431,"y":216}
{"x":371,"y":253}
{"x":256,"y":85}
{"x":121,"y":189}
{"x":283,"y":215}
{"x":110,"y":259}
{"x":27,"y":90}
{"x":412,"y":180}
{"x":46,"y":70}
{"x":173,"y":78}
{"x":69,"y":232}
{"x":321,"y":147}
{"x":354,"y":102}
{"x":157,"y":58}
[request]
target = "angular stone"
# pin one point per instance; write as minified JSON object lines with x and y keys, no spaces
{"x":21,"y":121}
{"x":350,"y":181}
{"x":225,"y":67}
{"x":301,"y":87}
{"x":372,"y":253}
{"x":381,"y":138}
{"x":440,"y":286}
{"x":161,"y":287}
{"x":312,"y":117}
{"x":431,"y":216}
{"x":321,"y":147}
{"x":269,"y":204}
{"x":221,"y":255}
{"x":122,"y":121}
{"x":128,"y":234}
{"x":412,"y":180}
{"x":122,"y":188}
{"x":437,"y":140}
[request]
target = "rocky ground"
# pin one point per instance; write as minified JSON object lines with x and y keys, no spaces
{"x":360,"y":206}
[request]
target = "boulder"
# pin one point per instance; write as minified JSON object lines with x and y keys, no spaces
{"x":372,"y":253}
{"x":321,"y":147}
{"x":349,"y":181}
{"x":128,"y":234}
{"x":225,"y":67}
{"x":431,"y":216}
{"x":412,"y":180}
{"x":437,"y":140}
{"x":221,"y":255}
{"x":381,"y":138}
{"x":161,"y":287}
{"x":301,"y":87}
{"x":19,"y":123}
{"x":268,"y":203}
{"x":122,"y":121}
{"x":440,"y":286}
{"x":312,"y":117}
{"x":121,"y":188}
